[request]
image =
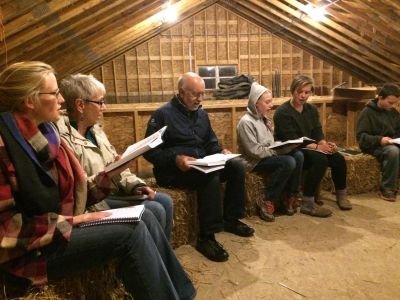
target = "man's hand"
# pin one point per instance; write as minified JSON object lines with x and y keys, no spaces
{"x":386,"y":140}
{"x":181,"y":162}
{"x":145,"y":190}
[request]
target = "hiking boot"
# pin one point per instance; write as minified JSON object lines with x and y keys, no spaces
{"x":211,"y":249}
{"x":388,"y":195}
{"x":266,"y":210}
{"x":239,"y":228}
{"x":316,"y":211}
{"x":290,"y":205}
{"x":342,"y":201}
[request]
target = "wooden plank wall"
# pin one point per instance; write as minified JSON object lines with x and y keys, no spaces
{"x":126,"y":123}
{"x":216,"y":36}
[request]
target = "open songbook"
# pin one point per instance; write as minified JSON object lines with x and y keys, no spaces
{"x":128,"y":214}
{"x":292,"y":143}
{"x":211,"y":163}
{"x":137,"y":149}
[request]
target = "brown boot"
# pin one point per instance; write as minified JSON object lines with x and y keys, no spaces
{"x":342,"y":201}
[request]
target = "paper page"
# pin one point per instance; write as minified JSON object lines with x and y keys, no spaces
{"x":213,"y":160}
{"x":208,"y":169}
{"x":137,"y":149}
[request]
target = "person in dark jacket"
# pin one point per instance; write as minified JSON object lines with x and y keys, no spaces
{"x":378,"y":125}
{"x":189,"y":136}
{"x":297,"y":118}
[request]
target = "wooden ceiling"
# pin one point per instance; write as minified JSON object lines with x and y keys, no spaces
{"x":359,"y":36}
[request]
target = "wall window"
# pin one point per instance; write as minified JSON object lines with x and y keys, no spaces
{"x":213,"y":74}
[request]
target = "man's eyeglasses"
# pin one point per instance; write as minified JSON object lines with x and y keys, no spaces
{"x":100,"y":102}
{"x":56,"y":93}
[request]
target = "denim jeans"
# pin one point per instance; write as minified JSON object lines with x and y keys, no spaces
{"x":162,"y":207}
{"x":316,"y":164}
{"x":147,"y":263}
{"x":284,"y":174}
{"x":211,"y":211}
{"x":389,"y":157}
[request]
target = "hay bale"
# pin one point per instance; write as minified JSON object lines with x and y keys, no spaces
{"x":185,"y":213}
{"x":99,"y":283}
{"x":255,"y":183}
{"x":363,"y":175}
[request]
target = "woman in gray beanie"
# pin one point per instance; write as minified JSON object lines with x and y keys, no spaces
{"x":283,"y":166}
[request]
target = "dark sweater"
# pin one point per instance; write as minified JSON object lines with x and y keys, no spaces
{"x":188,"y":133}
{"x":375,"y":123}
{"x":291,"y":124}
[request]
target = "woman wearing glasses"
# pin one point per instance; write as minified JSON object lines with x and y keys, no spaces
{"x":44,"y":195}
{"x":84,"y":96}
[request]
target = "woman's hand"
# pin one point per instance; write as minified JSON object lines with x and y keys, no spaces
{"x":90,"y":217}
{"x":145,"y":190}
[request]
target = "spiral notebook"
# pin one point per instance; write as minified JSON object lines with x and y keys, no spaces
{"x":128,"y":214}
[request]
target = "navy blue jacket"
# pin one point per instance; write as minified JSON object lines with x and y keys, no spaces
{"x":188,"y":133}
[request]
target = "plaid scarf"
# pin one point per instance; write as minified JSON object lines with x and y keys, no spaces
{"x":56,"y":157}
{"x":44,"y":139}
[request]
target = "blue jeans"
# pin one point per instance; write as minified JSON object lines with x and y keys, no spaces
{"x":162,"y":207}
{"x":389,"y":157}
{"x":284,"y":174}
{"x":147,"y":263}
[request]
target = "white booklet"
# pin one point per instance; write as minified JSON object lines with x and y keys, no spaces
{"x":128,"y":214}
{"x":138,"y":148}
{"x":297,"y":142}
{"x":395,"y":141}
{"x":212,"y":162}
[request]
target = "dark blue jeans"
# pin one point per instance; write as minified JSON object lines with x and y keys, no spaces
{"x":162,"y":208}
{"x":147,"y":263}
{"x":389,"y":157}
{"x":284,"y":172}
{"x":211,"y":211}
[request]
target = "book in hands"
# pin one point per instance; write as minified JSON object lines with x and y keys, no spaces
{"x":211,"y":163}
{"x":395,"y":141}
{"x":130,"y":214}
{"x":303,"y":141}
{"x":138,"y":149}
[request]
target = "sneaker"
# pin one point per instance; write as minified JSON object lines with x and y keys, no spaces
{"x":388,"y":195}
{"x":239,"y":228}
{"x":316,"y":211}
{"x":266,"y":210}
{"x":211,"y":249}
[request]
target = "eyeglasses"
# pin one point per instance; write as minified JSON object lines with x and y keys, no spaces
{"x":100,"y":102}
{"x":56,"y":93}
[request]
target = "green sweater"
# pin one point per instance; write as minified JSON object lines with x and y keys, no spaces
{"x":375,"y":123}
{"x":291,"y":124}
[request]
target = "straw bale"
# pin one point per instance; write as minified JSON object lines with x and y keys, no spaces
{"x":363,"y":175}
{"x":255,"y":183}
{"x":185,"y":213}
{"x":99,"y":283}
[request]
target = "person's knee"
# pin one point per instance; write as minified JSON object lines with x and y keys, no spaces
{"x":290,"y":163}
{"x":236,"y":167}
{"x":165,"y":200}
{"x":391,"y":152}
{"x":320,"y":161}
